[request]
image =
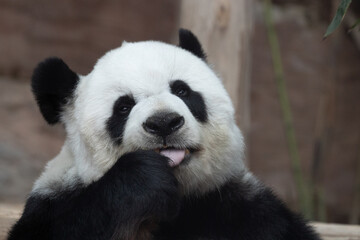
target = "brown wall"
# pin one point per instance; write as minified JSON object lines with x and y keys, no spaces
{"x":77,"y":31}
{"x":323,"y":83}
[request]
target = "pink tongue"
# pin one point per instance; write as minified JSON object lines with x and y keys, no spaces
{"x":175,"y":155}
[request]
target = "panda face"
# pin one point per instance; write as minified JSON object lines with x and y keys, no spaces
{"x":154,"y":96}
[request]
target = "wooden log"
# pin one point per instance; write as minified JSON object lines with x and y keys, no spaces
{"x":337,"y":231}
{"x":9,"y":213}
{"x":224,"y":28}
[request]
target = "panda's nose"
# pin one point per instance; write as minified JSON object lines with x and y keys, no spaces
{"x":163,"y":123}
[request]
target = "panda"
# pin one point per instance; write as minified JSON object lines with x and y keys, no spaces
{"x":152,"y":151}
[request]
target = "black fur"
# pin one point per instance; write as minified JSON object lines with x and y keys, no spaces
{"x":139,"y":189}
{"x":53,"y":83}
{"x":231,"y":212}
{"x":192,"y":99}
{"x":116,"y":123}
{"x":138,"y":197}
{"x":189,"y":42}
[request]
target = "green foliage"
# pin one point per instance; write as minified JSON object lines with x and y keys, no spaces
{"x":339,"y":16}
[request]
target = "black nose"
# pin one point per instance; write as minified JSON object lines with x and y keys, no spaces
{"x":164,"y":123}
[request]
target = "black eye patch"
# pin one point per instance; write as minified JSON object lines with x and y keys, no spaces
{"x":193,"y":100}
{"x":115,"y":125}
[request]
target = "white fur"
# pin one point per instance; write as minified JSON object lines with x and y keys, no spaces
{"x":144,"y":70}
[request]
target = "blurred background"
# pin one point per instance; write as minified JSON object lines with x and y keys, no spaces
{"x":322,"y":84}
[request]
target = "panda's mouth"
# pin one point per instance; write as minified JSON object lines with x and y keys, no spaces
{"x":176,"y":155}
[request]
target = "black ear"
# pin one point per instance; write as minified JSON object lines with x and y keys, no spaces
{"x":188,"y":41}
{"x":53,"y":84}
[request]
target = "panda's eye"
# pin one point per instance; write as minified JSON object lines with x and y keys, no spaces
{"x":180,"y":88}
{"x":182,"y":92}
{"x":124,"y":109}
{"x":193,"y":99}
{"x":124,"y":105}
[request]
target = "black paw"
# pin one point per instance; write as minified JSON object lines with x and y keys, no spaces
{"x":146,"y":178}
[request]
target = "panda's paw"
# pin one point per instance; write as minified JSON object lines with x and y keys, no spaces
{"x":148,"y":175}
{"x":142,"y":161}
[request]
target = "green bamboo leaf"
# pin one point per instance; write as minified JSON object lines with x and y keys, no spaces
{"x":339,"y":16}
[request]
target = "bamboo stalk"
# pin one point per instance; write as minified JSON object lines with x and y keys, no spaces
{"x":302,"y":188}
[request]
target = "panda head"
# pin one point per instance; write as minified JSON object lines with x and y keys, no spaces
{"x":144,"y":95}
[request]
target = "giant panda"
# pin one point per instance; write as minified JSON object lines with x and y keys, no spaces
{"x":152,"y":151}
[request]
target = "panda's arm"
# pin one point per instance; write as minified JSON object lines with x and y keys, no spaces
{"x":260,"y":214}
{"x":139,"y":188}
{"x":236,"y":212}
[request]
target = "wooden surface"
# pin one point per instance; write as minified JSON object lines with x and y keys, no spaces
{"x":338,"y":231}
{"x":10,"y":212}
